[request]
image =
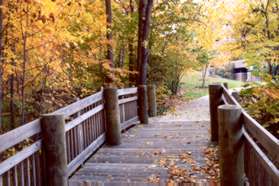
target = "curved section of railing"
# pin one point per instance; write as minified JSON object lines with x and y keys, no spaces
{"x":22,"y":156}
{"x":261,"y":148}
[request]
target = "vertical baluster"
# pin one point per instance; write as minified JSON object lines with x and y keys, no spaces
{"x":15,"y":176}
{"x":38,"y":169}
{"x":90,"y":132}
{"x":72,"y":143}
{"x":34,"y":177}
{"x":9,"y":175}
{"x":123,"y":112}
{"x":87,"y":131}
{"x":80,"y":136}
{"x":94,"y":128}
{"x":68,"y":148}
{"x":97,"y":125}
{"x":76,"y":140}
{"x":100,"y":122}
{"x":28,"y":173}
{"x":21,"y":174}
{"x":84,"y":133}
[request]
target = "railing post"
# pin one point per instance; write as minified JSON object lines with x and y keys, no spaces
{"x":54,"y":147}
{"x":113,"y":132}
{"x":142,"y":104}
{"x":231,"y":145}
{"x":152,"y":106}
{"x":215,"y":95}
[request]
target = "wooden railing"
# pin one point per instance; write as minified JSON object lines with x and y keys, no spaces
{"x":83,"y":133}
{"x":248,"y":152}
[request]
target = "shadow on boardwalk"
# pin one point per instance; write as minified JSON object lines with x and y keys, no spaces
{"x":171,"y":149}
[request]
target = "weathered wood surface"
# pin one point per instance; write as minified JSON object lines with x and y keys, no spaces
{"x":137,"y":158}
{"x":260,"y":149}
{"x":84,"y":133}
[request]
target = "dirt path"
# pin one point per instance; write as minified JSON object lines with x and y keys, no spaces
{"x":195,"y":110}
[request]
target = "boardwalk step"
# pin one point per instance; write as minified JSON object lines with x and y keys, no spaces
{"x":178,"y":124}
{"x":119,"y":173}
{"x":139,"y":158}
{"x":135,"y":161}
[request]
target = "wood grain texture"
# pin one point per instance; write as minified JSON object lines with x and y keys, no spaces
{"x":136,"y":159}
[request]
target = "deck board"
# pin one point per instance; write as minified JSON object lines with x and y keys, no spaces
{"x":135,"y":160}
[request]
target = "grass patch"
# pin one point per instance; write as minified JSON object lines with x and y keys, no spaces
{"x":192,"y":81}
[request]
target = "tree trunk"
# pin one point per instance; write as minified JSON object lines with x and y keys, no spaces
{"x":121,"y":57}
{"x":25,"y":61}
{"x":25,"y":58}
{"x":1,"y":60}
{"x":132,"y":58}
{"x":12,"y":102}
{"x":204,"y":75}
{"x":145,"y":8}
{"x":108,"y":78}
{"x":132,"y":78}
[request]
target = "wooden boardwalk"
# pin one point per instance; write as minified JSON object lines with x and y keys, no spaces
{"x":149,"y":155}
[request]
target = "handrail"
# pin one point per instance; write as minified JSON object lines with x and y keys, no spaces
{"x":79,"y":105}
{"x":269,"y":166}
{"x":263,"y":143}
{"x":84,"y":131}
{"x":265,"y":138}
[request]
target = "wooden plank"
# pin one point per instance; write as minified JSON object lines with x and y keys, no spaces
{"x":264,"y":160}
{"x":83,"y":117}
{"x":79,"y":105}
{"x":229,"y":98}
{"x":19,"y":134}
{"x":28,"y":171}
{"x":127,"y":91}
{"x":129,"y":123}
{"x":265,"y":138}
{"x":20,"y":156}
{"x":75,"y":163}
{"x":127,"y":100}
{"x":224,"y":100}
{"x":34,"y":177}
{"x":22,"y":173}
{"x":15,"y":176}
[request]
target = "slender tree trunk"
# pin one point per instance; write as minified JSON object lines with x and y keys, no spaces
{"x":109,"y":31}
{"x":25,"y":61}
{"x":145,"y":8}
{"x":131,"y":62}
{"x":204,"y":75}
{"x":132,"y":78}
{"x":121,"y":57}
{"x":12,"y":102}
{"x":109,"y":77}
{"x":22,"y":90}
{"x":1,"y":60}
{"x":268,"y":33}
{"x":12,"y":108}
